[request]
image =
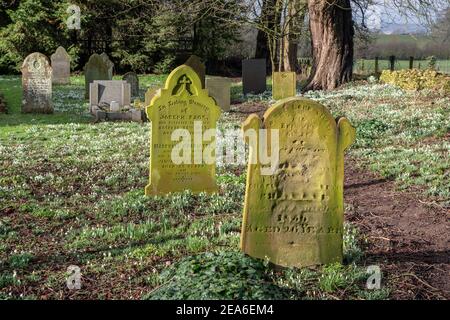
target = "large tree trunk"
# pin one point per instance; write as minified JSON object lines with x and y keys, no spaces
{"x":332,"y":33}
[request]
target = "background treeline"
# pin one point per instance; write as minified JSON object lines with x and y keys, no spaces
{"x":404,"y":46}
{"x":153,"y":36}
{"x":144,"y":36}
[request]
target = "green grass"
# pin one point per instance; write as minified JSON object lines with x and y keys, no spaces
{"x":72,"y":193}
{"x":367,"y":66}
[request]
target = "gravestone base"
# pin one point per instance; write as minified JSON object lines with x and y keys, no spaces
{"x":130,"y":115}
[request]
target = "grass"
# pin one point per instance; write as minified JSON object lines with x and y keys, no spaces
{"x":367,"y":66}
{"x":72,"y":194}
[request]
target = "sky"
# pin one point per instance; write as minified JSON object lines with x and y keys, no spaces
{"x":388,"y":19}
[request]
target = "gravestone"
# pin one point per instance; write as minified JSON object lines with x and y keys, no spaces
{"x":109,"y":63}
{"x":37,"y":84}
{"x":151,"y":92}
{"x":219,"y":89}
{"x":254,"y":76}
{"x":61,"y":66}
{"x":133,"y":80}
{"x":95,"y":69}
{"x":197,"y":65}
{"x":294,"y":216}
{"x":103,"y":92}
{"x":284,"y":85}
{"x":182,"y":163}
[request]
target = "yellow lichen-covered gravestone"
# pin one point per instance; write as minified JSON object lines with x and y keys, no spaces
{"x":284,"y":85}
{"x":295,"y":216}
{"x":181,"y":150}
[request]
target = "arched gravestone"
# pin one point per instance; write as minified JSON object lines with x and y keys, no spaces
{"x":95,"y":69}
{"x":295,"y":216}
{"x":181,"y":104}
{"x":133,"y":80}
{"x":151,"y":92}
{"x":197,"y":65}
{"x":109,"y":63}
{"x":37,"y":84}
{"x":61,"y":66}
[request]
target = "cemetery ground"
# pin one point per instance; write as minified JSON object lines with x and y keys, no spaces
{"x":72,"y":193}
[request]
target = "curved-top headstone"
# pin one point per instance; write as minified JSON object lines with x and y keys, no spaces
{"x":37,"y":84}
{"x":61,"y":66}
{"x":95,"y":69}
{"x":196,"y":63}
{"x":109,"y":63}
{"x":294,"y":216}
{"x":133,"y":80}
{"x":182,"y":152}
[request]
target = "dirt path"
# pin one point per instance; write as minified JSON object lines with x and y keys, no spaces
{"x":408,"y":238}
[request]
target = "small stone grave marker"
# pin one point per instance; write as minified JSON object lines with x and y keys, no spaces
{"x":103,"y":92}
{"x":284,"y":85}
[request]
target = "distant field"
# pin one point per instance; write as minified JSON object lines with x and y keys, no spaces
{"x":420,"y":40}
{"x":366,"y":66}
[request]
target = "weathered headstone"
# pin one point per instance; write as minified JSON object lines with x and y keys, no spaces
{"x":37,"y":84}
{"x":197,"y":65}
{"x":95,"y":69}
{"x":109,"y":63}
{"x":254,"y":76}
{"x":295,"y":216}
{"x":179,"y":158}
{"x":284,"y":85}
{"x":103,"y":92}
{"x":133,"y":80}
{"x":151,"y":92}
{"x":219,"y":88}
{"x":61,"y":66}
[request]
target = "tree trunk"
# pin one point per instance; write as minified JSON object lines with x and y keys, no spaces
{"x":332,"y":33}
{"x":296,"y":16}
{"x":267,"y":19}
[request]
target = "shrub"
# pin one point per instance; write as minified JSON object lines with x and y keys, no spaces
{"x":415,"y":79}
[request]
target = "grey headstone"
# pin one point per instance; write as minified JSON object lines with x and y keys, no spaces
{"x":105,"y":91}
{"x":61,"y":66}
{"x":254,"y":76}
{"x":220,"y":89}
{"x":196,"y":63}
{"x":37,"y":84}
{"x":133,"y":80}
{"x":109,"y":63}
{"x":95,"y":69}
